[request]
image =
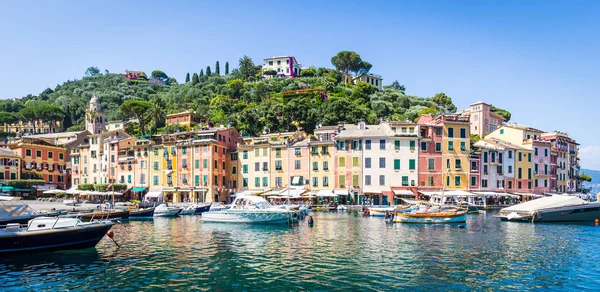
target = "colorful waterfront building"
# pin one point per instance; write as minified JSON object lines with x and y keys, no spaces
{"x":430,"y":154}
{"x":475,"y":170}
{"x":347,"y":163}
{"x":322,"y":150}
{"x":567,"y":160}
{"x":10,"y":165}
{"x":42,"y":160}
{"x":299,"y":163}
{"x":455,"y":151}
{"x":497,"y":165}
{"x":403,"y":152}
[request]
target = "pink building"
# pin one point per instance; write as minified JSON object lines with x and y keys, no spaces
{"x":542,"y":168}
{"x":430,"y":156}
{"x":298,"y":164}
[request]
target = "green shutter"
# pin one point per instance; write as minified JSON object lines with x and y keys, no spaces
{"x":396,"y":163}
{"x":411,"y":164}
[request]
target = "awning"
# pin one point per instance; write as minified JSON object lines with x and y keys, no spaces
{"x":403,"y":193}
{"x":429,"y":193}
{"x":457,"y":193}
{"x":140,"y":189}
{"x":340,"y":192}
{"x":529,"y":195}
{"x":248,"y":192}
{"x":12,"y":189}
{"x":293,"y":192}
{"x":54,"y":192}
{"x":274,"y":192}
{"x":168,"y":172}
{"x":154,"y":194}
{"x":491,"y":194}
{"x":327,"y":193}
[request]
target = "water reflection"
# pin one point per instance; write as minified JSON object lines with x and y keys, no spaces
{"x":343,"y":251}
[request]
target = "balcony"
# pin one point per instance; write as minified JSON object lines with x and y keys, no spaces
{"x":325,"y":168}
{"x":265,"y":168}
{"x":278,"y":168}
{"x":184,"y":166}
{"x":184,"y":181}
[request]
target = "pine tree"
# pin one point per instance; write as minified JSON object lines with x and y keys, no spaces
{"x":187,"y":77}
{"x":208,"y":71}
{"x":195,"y":79}
{"x":201,"y":72}
{"x":217,"y":69}
{"x":226,"y":68}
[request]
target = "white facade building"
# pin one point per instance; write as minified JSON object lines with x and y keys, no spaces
{"x":285,"y":66}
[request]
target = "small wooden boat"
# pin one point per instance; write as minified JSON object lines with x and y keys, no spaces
{"x":104,"y":214}
{"x":142,"y":213}
{"x":436,"y":217}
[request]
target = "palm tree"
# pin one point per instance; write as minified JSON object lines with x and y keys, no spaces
{"x":246,"y":66}
{"x":156,"y":113}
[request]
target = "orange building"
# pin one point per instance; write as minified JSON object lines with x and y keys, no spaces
{"x":185,"y":118}
{"x":44,"y":160}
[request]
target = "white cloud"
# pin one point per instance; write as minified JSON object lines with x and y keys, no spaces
{"x":590,"y":157}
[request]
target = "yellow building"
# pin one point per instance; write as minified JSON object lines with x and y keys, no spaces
{"x":455,"y":151}
{"x":322,"y":175}
{"x":10,"y":165}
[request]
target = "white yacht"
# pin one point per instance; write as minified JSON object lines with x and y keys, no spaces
{"x":164,"y":211}
{"x":251,"y":209}
{"x":552,"y":209}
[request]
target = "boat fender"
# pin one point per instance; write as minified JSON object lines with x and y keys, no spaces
{"x":367,"y":212}
{"x":311,"y":221}
{"x":111,"y":235}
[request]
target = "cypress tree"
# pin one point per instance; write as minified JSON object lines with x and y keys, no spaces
{"x":208,"y":71}
{"x":195,"y":79}
{"x":226,"y":68}
{"x":187,"y":77}
{"x":201,"y":72}
{"x":217,"y":69}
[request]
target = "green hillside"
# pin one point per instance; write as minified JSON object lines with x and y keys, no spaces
{"x":240,"y":99}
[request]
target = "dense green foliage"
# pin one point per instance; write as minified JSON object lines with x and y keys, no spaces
{"x":101,"y":187}
{"x":504,"y":113}
{"x":24,"y":183}
{"x":241,"y":99}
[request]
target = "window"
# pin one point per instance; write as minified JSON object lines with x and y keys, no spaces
{"x":325,"y":165}
{"x":355,"y":161}
{"x":216,"y":164}
{"x":265,"y":166}
{"x":38,"y":153}
{"x":529,"y":173}
{"x":256,"y":152}
{"x":545,"y":183}
{"x":296,"y":151}
{"x":315,"y":182}
{"x":519,"y":185}
{"x":450,"y":132}
{"x":315,"y":166}
{"x":367,"y":162}
{"x":485,"y":169}
{"x":473,"y":181}
{"x":423,"y":146}
{"x":381,"y":144}
{"x":499,"y":169}
{"x":411,"y":164}
{"x":245,"y":168}
{"x":50,"y":154}
{"x":278,"y":165}
{"x":245,"y":154}
{"x":355,"y":180}
{"x":397,"y":145}
{"x":448,"y":163}
{"x":450,"y":145}
{"x":265,"y":181}
{"x":485,"y":157}
{"x":297,"y":164}
{"x":484,"y":183}
{"x":438,"y":131}
{"x":155,"y":165}
{"x":510,"y":155}
{"x":463,"y":146}
{"x":463,"y":133}
{"x":342,"y":162}
{"x":520,"y":173}
{"x":546,"y":152}
{"x":510,"y":169}
{"x":430,"y":181}
{"x":205,"y":163}
{"x":438,"y":147}
{"x":535,"y":168}
{"x":382,"y":180}
{"x":501,"y":131}
{"x":324,"y":150}
{"x":520,"y":156}
{"x":342,"y":180}
{"x":473,"y":166}
{"x":245,"y":182}
{"x":545,"y":168}
{"x":278,"y":181}
{"x":155,"y":180}
{"x":257,"y":181}
{"x":536,"y":151}
{"x":278,"y":153}
{"x":367,"y":180}
{"x":28,"y":152}
{"x":412,"y":145}
{"x":535,"y":183}
{"x":448,"y":181}
{"x":381,"y":162}
{"x":493,"y":156}
{"x":457,"y":164}
{"x":257,"y":166}
{"x":529,"y":185}
{"x":457,"y":181}
{"x":528,"y":157}
{"x":404,"y":181}
{"x":234,"y":170}
{"x":431,"y":164}
{"x":325,"y":181}
{"x":397,"y":164}
{"x":500,"y":158}
{"x":313,"y":150}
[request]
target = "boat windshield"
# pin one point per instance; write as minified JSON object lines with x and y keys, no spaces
{"x":248,"y":204}
{"x":10,"y":209}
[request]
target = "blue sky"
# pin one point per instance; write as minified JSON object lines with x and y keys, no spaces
{"x":537,"y":59}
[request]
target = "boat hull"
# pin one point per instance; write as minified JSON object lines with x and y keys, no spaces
{"x":424,"y":219}
{"x":105,"y":215}
{"x":51,"y":240}
{"x":580,"y":213}
{"x":231,"y":216}
{"x":167,"y":213}
{"x":142,"y":213}
{"x":380,"y":211}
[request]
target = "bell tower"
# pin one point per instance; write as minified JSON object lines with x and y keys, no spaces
{"x":94,"y":117}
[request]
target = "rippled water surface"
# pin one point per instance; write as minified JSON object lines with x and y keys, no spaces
{"x":343,"y":251}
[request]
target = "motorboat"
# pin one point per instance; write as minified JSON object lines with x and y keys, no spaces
{"x":165,"y":211}
{"x":51,"y":233}
{"x":251,"y":209}
{"x":217,"y":207}
{"x":13,"y":210}
{"x":195,"y":209}
{"x":379,"y":211}
{"x":142,"y":213}
{"x":556,"y":208}
{"x":431,"y":215}
{"x":71,"y":202}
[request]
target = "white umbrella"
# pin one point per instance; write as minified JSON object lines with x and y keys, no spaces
{"x":54,"y":192}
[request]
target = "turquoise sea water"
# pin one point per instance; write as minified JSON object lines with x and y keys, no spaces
{"x":343,"y":251}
